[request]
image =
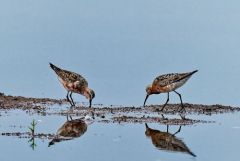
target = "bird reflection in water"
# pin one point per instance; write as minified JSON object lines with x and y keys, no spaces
{"x":69,"y":130}
{"x":167,"y":141}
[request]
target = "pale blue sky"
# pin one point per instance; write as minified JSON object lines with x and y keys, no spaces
{"x":120,"y":47}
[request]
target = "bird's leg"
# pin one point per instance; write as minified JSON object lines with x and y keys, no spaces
{"x":68,"y":98}
{"x":183,"y":116}
{"x":92,"y":113}
{"x":72,"y":99}
{"x":165,"y":102}
{"x":182,"y":107}
{"x":69,"y":116}
{"x":164,"y":118}
{"x":178,"y":130}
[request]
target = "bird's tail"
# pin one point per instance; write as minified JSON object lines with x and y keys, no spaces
{"x":190,"y":73}
{"x":193,"y":72}
{"x":192,"y":154}
{"x":55,"y":68}
{"x":187,"y":75}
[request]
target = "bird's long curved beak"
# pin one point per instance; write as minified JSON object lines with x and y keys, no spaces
{"x":146,"y":126}
{"x":145,"y":100}
{"x":90,"y":103}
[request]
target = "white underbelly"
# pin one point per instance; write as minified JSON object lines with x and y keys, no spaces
{"x":176,"y":85}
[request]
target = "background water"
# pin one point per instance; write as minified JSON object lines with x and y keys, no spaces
{"x":215,"y":141}
{"x":120,"y":46}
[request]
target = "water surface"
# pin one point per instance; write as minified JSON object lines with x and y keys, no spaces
{"x":120,"y":47}
{"x":121,"y":141}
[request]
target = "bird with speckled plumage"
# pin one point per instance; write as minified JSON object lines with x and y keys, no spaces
{"x":73,"y":83}
{"x":167,"y":141}
{"x":167,"y":83}
{"x":69,"y":130}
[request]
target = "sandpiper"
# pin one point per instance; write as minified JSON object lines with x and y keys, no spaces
{"x":167,"y":83}
{"x":73,"y":82}
{"x":70,"y":130}
{"x":167,"y":141}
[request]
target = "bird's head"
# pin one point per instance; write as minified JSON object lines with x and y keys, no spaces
{"x":147,"y":132}
{"x":92,"y":94}
{"x":149,"y":89}
{"x":149,"y":92}
{"x":89,"y":94}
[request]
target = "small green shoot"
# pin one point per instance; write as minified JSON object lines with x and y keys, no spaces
{"x":32,"y":131}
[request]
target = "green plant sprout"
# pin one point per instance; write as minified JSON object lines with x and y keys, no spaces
{"x":32,"y":131}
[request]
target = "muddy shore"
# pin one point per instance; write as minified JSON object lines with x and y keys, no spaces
{"x":43,"y":106}
{"x":112,"y":114}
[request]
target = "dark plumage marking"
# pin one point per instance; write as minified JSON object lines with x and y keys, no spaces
{"x":69,"y":130}
{"x":167,"y":141}
{"x":167,"y":79}
{"x":167,"y":83}
{"x":73,"y":82}
{"x":69,"y":77}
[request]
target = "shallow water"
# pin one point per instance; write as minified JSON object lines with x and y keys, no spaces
{"x":120,"y":47}
{"x":113,"y":141}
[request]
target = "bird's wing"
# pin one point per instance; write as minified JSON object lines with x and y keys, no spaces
{"x":81,"y":83}
{"x":179,"y":145}
{"x":167,"y":79}
{"x":72,"y":77}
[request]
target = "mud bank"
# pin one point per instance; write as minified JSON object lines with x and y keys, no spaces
{"x":115,"y":114}
{"x":27,"y":103}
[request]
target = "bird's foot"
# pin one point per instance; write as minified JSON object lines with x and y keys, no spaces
{"x":74,"y":104}
{"x":183,"y":116}
{"x":158,"y":110}
{"x":69,"y":117}
{"x":91,"y":113}
{"x":164,"y":118}
{"x":182,"y":110}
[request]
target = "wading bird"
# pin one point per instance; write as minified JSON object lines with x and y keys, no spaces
{"x":167,"y":83}
{"x":70,"y":130}
{"x":73,"y":82}
{"x":167,"y":141}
